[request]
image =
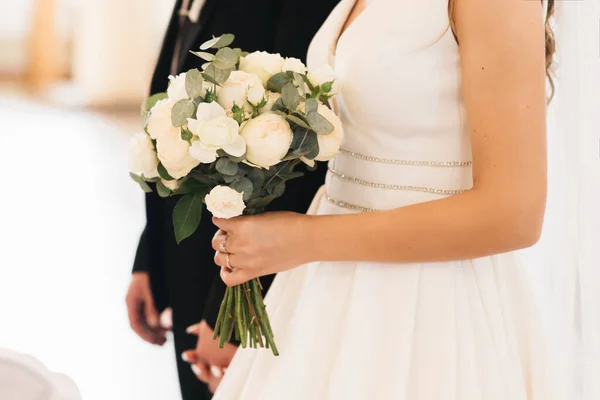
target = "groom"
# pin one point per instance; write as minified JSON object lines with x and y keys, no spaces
{"x":184,"y":277}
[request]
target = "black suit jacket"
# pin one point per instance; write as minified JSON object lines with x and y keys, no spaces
{"x":182,"y":276}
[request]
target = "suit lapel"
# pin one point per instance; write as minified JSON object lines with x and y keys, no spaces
{"x":191,"y":31}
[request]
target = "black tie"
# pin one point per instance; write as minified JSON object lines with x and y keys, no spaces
{"x":181,"y":33}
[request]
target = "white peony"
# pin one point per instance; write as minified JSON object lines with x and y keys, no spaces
{"x":268,"y":139}
{"x":295,"y":65}
{"x":225,"y":202}
{"x":174,"y":154}
{"x":176,"y":90}
{"x":142,"y":156}
{"x":329,"y":145}
{"x":173,"y":185}
{"x":238,"y":89}
{"x":263,"y":64}
{"x":272,"y":97}
{"x":214,"y":131}
{"x":159,"y":121}
{"x":324,"y":74}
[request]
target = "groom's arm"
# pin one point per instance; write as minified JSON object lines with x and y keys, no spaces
{"x":146,"y":296}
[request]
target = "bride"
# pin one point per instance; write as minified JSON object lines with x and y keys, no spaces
{"x":401,"y":283}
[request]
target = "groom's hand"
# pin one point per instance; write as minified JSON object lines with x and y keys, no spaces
{"x":143,"y":317}
{"x":209,"y":360}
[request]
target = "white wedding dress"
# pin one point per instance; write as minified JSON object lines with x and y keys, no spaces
{"x":460,"y":330}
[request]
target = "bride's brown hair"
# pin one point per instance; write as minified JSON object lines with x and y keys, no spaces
{"x":550,"y":42}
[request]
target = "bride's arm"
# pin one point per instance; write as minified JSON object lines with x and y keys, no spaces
{"x":503,"y":73}
{"x":503,"y":76}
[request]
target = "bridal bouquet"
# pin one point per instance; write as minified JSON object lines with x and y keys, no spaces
{"x":230,"y":136}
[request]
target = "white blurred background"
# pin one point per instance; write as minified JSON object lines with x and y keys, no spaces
{"x":72,"y":76}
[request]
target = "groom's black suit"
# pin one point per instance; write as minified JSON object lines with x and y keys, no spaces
{"x":184,"y":277}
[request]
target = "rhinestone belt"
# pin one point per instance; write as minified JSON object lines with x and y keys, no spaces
{"x":439,"y":164}
{"x":352,"y":179}
{"x":349,"y":206}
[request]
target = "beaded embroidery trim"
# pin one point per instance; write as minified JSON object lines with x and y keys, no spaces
{"x":393,"y":187}
{"x":438,"y":164}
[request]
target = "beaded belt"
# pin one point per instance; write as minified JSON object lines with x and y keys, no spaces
{"x":434,"y":164}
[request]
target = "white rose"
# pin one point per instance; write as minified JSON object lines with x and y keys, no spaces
{"x":214,"y":131}
{"x":176,"y":90}
{"x":240,"y":87}
{"x":256,"y":94}
{"x":173,"y":185}
{"x":268,"y":139}
{"x":272,"y":97}
{"x":159,"y":121}
{"x":294,"y":64}
{"x":173,"y":153}
{"x":263,"y":64}
{"x":329,"y":145}
{"x":142,"y":156}
{"x":225,"y":202}
{"x":321,"y":75}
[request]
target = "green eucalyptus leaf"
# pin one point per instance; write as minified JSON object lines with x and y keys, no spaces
{"x":218,"y":42}
{"x":257,"y":176}
{"x":279,"y":189}
{"x":193,"y":186}
{"x":226,"y":167}
{"x":304,"y":143}
{"x":278,"y":81}
{"x":319,"y":123}
{"x":162,"y":172}
{"x":216,"y":75}
{"x":204,"y":55}
{"x":245,"y":186}
{"x":209,"y":43}
{"x":193,"y":83}
{"x":182,"y":110}
{"x":314,"y":152}
{"x":298,"y":121}
{"x":300,"y":135}
{"x":278,"y":105}
{"x":222,"y":153}
{"x":162,"y":190}
{"x":226,"y":58}
{"x":299,"y":83}
{"x":231,"y":178}
{"x":293,"y":175}
{"x":224,"y":40}
{"x":186,"y":215}
{"x":152,"y":180}
{"x":260,"y":202}
{"x":290,"y":96}
{"x":312,"y":105}
{"x":204,"y":178}
{"x":140,"y":181}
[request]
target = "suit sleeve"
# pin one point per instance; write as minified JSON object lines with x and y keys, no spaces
{"x":151,"y":235}
{"x":147,"y":255}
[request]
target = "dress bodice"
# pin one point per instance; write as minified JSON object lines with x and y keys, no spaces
{"x":400,"y":104}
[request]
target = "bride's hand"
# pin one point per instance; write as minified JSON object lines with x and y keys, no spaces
{"x":260,"y":245}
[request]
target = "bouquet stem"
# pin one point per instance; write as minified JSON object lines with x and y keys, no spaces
{"x":243,"y":311}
